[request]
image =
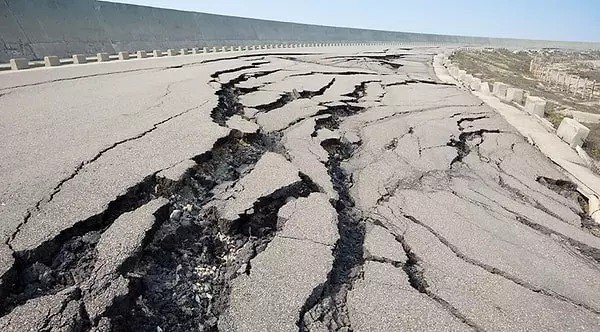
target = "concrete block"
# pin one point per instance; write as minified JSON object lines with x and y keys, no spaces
{"x":51,"y":61}
{"x":213,"y":49}
{"x":123,"y":55}
{"x":500,"y":90}
{"x":172,"y":52}
{"x":196,"y":50}
{"x":535,"y":105}
{"x":18,"y":64}
{"x":468,"y":79}
{"x":454,"y":71}
{"x":572,"y":132}
{"x":586,"y":117}
{"x":231,"y":48}
{"x":141,"y":54}
{"x":514,"y":94}
{"x":205,"y":50}
{"x":246,"y":48}
{"x":102,"y":57}
{"x":79,"y":59}
{"x":183,"y":51}
{"x":475,"y":84}
{"x":223,"y":49}
{"x":485,"y":88}
{"x":593,"y":206}
{"x":157,"y":53}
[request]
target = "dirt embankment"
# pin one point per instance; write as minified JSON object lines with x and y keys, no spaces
{"x":512,"y":67}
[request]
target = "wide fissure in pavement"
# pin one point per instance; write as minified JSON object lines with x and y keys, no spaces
{"x":68,"y":259}
{"x":185,"y":270}
{"x":327,"y":302}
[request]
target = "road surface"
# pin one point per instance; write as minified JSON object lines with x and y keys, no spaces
{"x":331,"y":189}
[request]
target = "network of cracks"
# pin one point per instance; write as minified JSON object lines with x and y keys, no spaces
{"x":179,"y":276}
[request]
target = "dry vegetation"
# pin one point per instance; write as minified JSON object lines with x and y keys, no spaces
{"x":512,"y":68}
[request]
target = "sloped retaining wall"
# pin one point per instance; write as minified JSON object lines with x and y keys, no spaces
{"x":35,"y":28}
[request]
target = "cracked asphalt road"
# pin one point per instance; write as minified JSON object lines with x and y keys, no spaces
{"x":339,"y":189}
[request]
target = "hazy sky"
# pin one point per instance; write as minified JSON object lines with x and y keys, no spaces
{"x":574,"y":20}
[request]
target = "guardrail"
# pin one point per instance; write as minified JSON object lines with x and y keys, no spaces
{"x":54,"y":61}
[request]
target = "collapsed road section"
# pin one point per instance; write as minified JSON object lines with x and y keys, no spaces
{"x":349,"y":191}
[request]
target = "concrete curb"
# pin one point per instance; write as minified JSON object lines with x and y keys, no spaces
{"x":585,"y":177}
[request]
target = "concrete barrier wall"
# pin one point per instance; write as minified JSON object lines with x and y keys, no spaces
{"x":36,"y":28}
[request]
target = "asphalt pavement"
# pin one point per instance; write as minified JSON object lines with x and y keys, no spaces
{"x":308,"y":189}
